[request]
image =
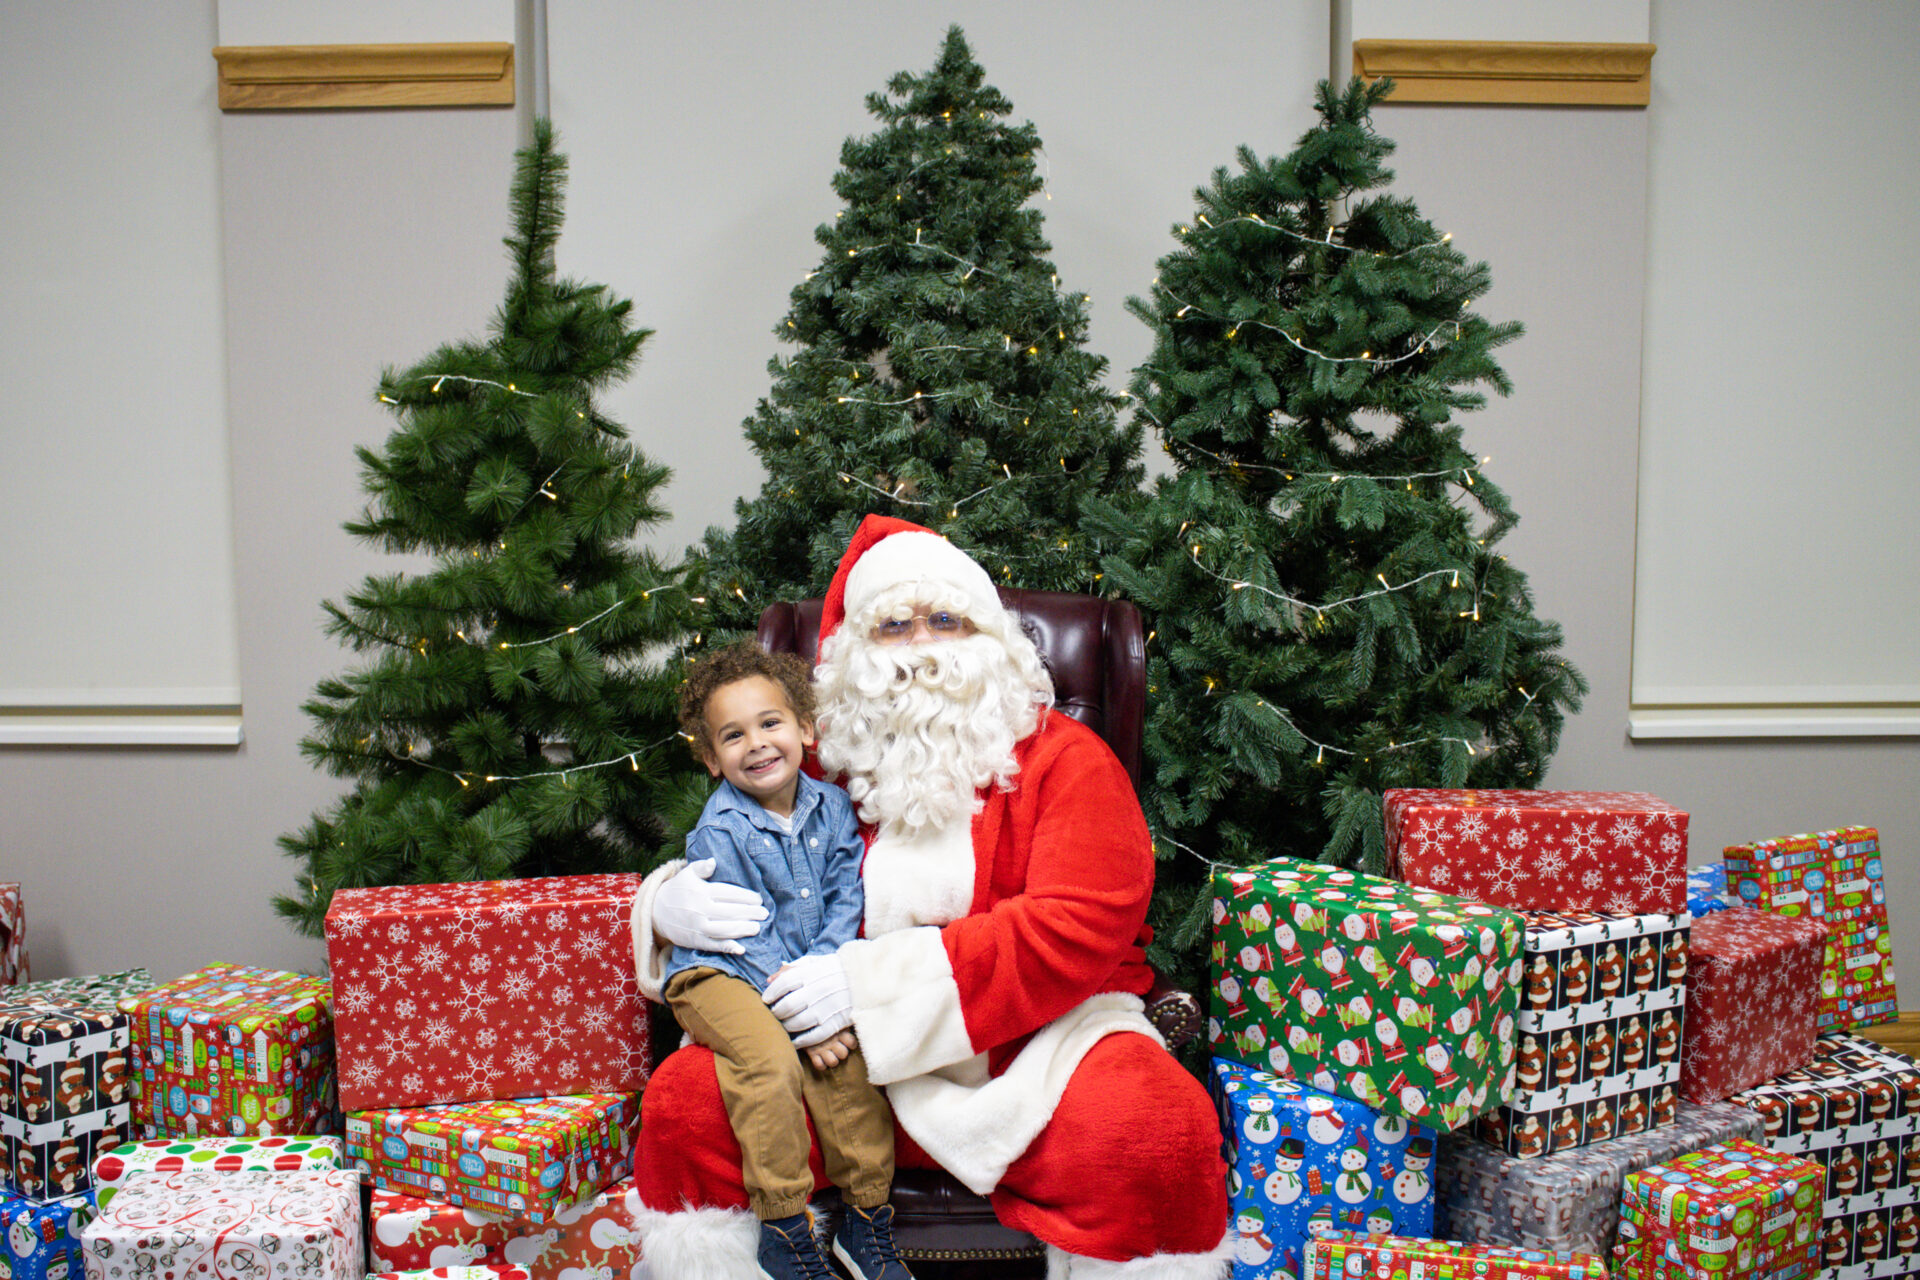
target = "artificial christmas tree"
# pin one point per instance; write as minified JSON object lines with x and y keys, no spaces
{"x":1328,"y":619}
{"x":941,"y":374}
{"x":510,"y":719}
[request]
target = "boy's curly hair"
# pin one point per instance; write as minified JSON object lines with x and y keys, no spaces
{"x":741,"y":661}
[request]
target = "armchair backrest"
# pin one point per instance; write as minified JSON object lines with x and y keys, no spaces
{"x":1094,"y":648}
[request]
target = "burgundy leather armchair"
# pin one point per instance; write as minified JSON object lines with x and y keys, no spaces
{"x":1095,"y":649}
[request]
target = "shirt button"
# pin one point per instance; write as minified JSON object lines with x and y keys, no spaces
{"x":806,"y":893}
{"x":815,"y":842}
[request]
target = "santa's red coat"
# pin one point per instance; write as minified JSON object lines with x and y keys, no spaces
{"x":1129,"y":1164}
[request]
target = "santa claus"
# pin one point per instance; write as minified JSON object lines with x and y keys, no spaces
{"x":996,"y":992}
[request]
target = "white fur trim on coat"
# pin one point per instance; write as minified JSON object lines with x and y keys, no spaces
{"x":700,"y":1244}
{"x":1211,"y":1265}
{"x":650,"y":952}
{"x":924,"y":878}
{"x":975,"y":1127}
{"x":906,"y":1005}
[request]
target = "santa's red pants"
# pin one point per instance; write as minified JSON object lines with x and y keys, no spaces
{"x":1129,"y":1166}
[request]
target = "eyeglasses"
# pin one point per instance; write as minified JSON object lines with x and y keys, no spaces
{"x":941,"y":625}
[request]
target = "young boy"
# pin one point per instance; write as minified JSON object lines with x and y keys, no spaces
{"x":793,"y":840}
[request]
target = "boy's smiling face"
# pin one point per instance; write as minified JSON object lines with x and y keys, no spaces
{"x":756,"y":742}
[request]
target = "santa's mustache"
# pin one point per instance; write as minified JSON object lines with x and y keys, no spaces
{"x":960,"y":669}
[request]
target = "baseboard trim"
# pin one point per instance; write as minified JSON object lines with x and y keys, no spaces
{"x":1902,"y":1035}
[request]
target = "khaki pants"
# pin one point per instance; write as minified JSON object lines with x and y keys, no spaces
{"x":770,"y":1089}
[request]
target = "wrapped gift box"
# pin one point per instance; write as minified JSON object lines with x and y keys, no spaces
{"x":1619,"y":851}
{"x":1707,"y":889}
{"x":1301,"y":1161}
{"x":93,"y":991}
{"x":554,"y":1009}
{"x":43,"y":1237}
{"x":1351,"y":1256}
{"x":1570,"y":1200}
{"x":303,"y":1225}
{"x":533,"y":1156}
{"x":599,"y":1236}
{"x":66,"y":1086}
{"x":113,"y":1168}
{"x":494,"y":1272}
{"x":1856,"y":1110}
{"x":233,"y":1050}
{"x":13,"y":936}
{"x":1834,"y":877}
{"x":409,"y":1233}
{"x":1732,"y":1210}
{"x":1399,"y":998}
{"x":1753,"y":984}
{"x":1602,"y":1003}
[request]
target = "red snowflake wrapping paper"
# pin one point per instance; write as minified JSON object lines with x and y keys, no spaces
{"x":456,"y":1273}
{"x":230,"y":1226}
{"x":1753,"y":992}
{"x":1622,"y":851}
{"x":591,"y":1240}
{"x":486,"y":989}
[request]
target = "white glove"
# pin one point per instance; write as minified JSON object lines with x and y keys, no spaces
{"x":691,"y":911}
{"x":811,"y":998}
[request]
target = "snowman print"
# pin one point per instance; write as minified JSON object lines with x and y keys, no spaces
{"x":1260,"y":1125}
{"x":1283,"y":1185}
{"x":1323,"y":1122}
{"x":1355,"y":1184}
{"x":1412,"y":1184}
{"x":1254,"y":1246}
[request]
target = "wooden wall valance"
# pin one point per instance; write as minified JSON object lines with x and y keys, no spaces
{"x":1490,"y":71}
{"x":305,"y":77}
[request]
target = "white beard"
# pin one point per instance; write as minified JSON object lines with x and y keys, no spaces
{"x":917,"y":731}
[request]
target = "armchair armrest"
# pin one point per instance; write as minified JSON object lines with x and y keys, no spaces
{"x":1174,"y":1012}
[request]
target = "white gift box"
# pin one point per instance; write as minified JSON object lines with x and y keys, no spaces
{"x":299,"y":1225}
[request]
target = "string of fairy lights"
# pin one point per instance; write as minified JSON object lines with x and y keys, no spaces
{"x":1318,"y":609}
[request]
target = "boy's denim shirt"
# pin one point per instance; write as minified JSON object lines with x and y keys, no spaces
{"x":808,"y":880}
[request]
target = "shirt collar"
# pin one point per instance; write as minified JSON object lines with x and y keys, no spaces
{"x":806,"y":798}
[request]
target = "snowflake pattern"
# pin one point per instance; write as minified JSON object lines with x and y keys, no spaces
{"x":1753,"y":979}
{"x":449,"y":992}
{"x":1549,"y":863}
{"x":1574,"y":850}
{"x":1505,"y":875}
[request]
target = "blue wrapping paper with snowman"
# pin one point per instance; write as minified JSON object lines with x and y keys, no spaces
{"x":43,"y":1237}
{"x":1301,"y":1163}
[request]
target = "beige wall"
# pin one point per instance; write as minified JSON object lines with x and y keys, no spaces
{"x":354,"y":239}
{"x":358,"y":238}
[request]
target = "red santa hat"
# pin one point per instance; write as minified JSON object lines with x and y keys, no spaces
{"x":887,"y":553}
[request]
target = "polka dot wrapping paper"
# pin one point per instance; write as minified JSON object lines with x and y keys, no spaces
{"x":112,"y":1169}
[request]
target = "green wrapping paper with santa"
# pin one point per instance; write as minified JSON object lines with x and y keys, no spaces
{"x":1400,"y":998}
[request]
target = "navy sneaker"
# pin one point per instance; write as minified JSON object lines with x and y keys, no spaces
{"x":865,"y":1244}
{"x":788,"y":1251}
